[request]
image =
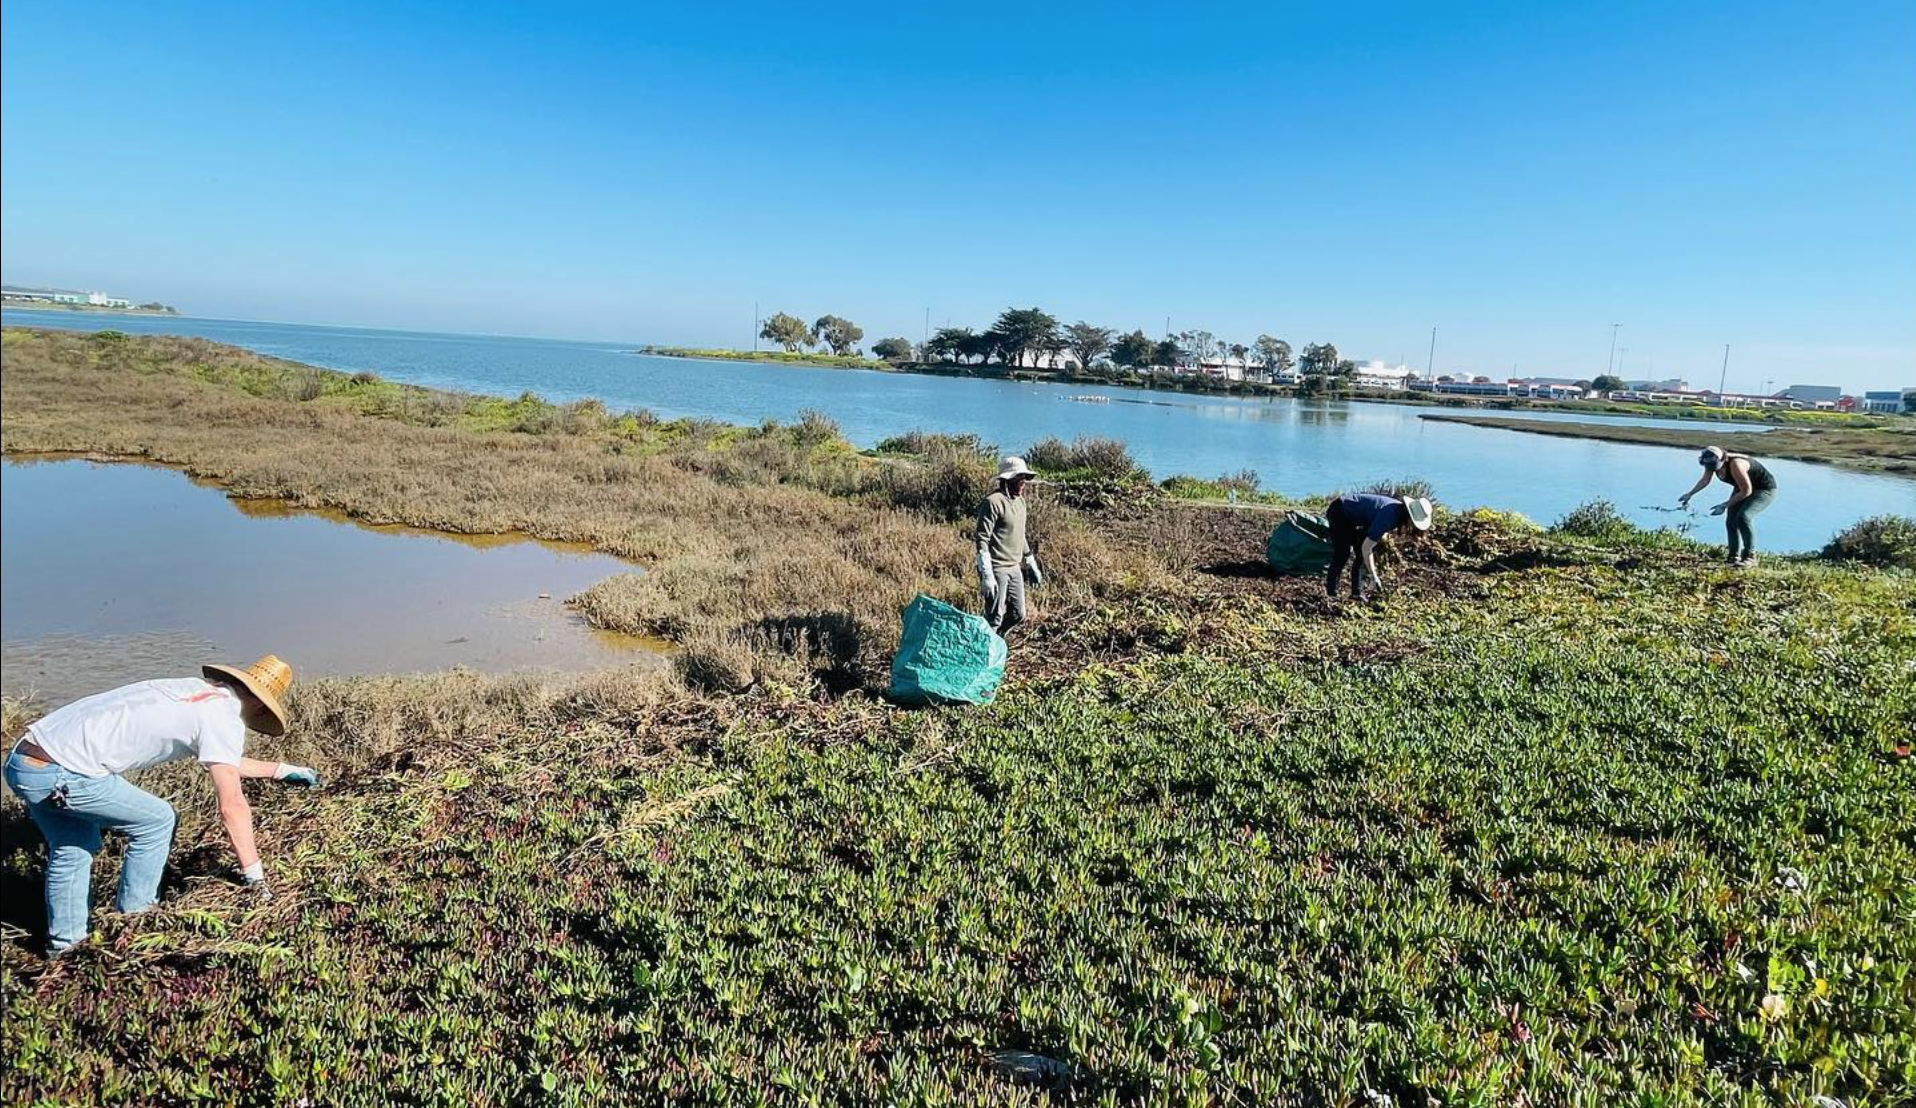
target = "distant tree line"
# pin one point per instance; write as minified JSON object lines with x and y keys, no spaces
{"x":838,"y":334}
{"x":1031,"y":336}
{"x":1035,"y":338}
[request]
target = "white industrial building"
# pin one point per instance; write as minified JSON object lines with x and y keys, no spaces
{"x":19,"y":295}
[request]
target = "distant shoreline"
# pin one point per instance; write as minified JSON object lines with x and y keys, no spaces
{"x":1600,"y":409}
{"x":1887,"y":450}
{"x":51,"y":306}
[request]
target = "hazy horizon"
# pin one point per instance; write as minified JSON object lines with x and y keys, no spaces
{"x":1520,"y":178}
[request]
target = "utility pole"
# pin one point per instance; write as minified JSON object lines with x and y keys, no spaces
{"x":1430,"y":363}
{"x":1724,"y":380}
{"x":1610,"y":367}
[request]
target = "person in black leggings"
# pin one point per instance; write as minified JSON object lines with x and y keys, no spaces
{"x":1359,"y":521}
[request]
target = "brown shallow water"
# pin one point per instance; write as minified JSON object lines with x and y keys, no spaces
{"x":112,"y":573}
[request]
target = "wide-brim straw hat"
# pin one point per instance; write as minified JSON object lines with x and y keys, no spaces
{"x":268,"y":679}
{"x":1420,"y":511}
{"x":1014,"y":466}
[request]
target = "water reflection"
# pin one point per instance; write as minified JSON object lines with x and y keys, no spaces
{"x":116,"y":572}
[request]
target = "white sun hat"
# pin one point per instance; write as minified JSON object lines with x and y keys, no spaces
{"x":1014,"y":466}
{"x":1420,"y":511}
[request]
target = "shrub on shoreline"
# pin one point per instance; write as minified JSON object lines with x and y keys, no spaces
{"x":1403,"y":488}
{"x":1886,"y":540}
{"x":917,"y":442}
{"x":1600,"y":522}
{"x":1091,"y":456}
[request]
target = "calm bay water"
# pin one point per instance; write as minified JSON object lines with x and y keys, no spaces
{"x":116,"y":573}
{"x":1295,"y":446}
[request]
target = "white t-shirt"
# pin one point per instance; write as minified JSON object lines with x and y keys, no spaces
{"x":141,"y":725}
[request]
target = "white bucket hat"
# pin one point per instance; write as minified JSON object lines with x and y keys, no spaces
{"x":1420,"y":511}
{"x":1711,"y":457}
{"x":1014,"y":466}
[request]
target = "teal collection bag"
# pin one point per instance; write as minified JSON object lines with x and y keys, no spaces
{"x":1300,"y":546}
{"x":946,"y":656}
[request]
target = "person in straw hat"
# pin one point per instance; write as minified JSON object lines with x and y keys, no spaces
{"x":1005,"y":556}
{"x":70,"y":766}
{"x":1359,"y":521}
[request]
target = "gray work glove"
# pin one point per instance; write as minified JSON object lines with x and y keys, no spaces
{"x":1720,"y":509}
{"x":987,"y":581}
{"x":1032,"y":573}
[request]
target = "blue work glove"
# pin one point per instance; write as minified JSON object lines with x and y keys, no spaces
{"x":296,"y":775}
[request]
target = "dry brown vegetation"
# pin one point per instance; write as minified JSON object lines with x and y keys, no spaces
{"x":771,"y":554}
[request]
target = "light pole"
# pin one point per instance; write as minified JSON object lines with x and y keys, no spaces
{"x":754,"y":326}
{"x":1623,"y":352}
{"x":1430,"y":363}
{"x":1722,"y":381}
{"x":1611,"y":366}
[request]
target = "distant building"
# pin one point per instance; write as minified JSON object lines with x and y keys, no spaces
{"x":22,"y":295}
{"x":1887,"y":401}
{"x":1047,"y":359}
{"x":1668,"y":384}
{"x":1706,"y":398}
{"x":1230,"y":369}
{"x":1478,"y":386}
{"x":1376,"y":374}
{"x":1813,"y":394}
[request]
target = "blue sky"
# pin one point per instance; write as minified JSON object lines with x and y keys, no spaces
{"x":1519,"y":175}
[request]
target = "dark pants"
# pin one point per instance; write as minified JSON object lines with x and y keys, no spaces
{"x":1742,"y":537}
{"x":1346,"y":539}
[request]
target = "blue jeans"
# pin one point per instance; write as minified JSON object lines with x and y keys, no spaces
{"x":73,"y":838}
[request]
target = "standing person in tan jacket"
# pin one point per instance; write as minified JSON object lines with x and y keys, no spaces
{"x":1005,"y":556}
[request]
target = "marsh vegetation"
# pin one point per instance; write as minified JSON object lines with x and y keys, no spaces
{"x":1570,"y":816}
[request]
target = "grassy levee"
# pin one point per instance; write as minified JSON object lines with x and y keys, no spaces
{"x":1568,"y":818}
{"x":817,"y":359}
{"x":1888,"y":448}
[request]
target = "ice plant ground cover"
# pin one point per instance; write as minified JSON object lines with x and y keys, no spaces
{"x":1570,"y":817}
{"x":1601,"y":832}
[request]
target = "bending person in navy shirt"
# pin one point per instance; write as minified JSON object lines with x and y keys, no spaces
{"x":1359,"y":521}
